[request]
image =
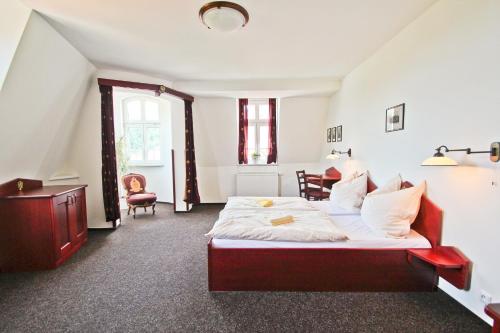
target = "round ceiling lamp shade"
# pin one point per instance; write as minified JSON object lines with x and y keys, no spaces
{"x":224,"y":16}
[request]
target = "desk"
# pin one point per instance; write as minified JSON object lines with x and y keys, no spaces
{"x":328,"y":180}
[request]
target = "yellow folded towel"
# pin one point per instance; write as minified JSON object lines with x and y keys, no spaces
{"x":265,"y":203}
{"x":282,"y":220}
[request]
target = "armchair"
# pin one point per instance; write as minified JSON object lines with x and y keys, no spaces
{"x":135,"y":185}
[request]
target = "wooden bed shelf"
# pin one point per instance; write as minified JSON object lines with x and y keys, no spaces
{"x":493,"y":310}
{"x":442,"y":256}
{"x":449,"y":262}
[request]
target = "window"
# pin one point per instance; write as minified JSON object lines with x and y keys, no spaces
{"x":258,"y":131}
{"x":141,"y":123}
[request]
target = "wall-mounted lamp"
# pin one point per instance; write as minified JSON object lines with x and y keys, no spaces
{"x":439,"y":159}
{"x":335,"y":154}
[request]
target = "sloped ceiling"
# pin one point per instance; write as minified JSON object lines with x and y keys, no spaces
{"x":40,"y":103}
{"x":284,"y":39}
{"x":14,"y":17}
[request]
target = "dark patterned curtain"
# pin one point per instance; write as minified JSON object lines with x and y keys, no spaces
{"x":191,"y":195}
{"x":243,"y":131}
{"x":273,"y":147}
{"x":109,"y":176}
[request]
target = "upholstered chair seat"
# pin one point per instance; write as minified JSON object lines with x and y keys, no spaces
{"x":139,"y":199}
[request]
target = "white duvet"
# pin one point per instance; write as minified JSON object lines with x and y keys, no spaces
{"x":308,"y":226}
{"x":279,"y":203}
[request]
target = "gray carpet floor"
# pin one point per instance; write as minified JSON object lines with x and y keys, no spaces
{"x":150,"y":275}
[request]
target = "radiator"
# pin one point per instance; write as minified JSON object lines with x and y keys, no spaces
{"x":257,"y":184}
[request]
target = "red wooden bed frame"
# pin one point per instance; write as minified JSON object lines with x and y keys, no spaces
{"x":320,"y":269}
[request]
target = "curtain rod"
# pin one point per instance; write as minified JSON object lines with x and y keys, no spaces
{"x":158,"y":89}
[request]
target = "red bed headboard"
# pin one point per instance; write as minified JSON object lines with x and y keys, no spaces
{"x":429,"y":221}
{"x":371,"y":186}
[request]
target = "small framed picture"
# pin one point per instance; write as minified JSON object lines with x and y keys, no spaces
{"x":328,"y":135}
{"x":339,"y":133}
{"x":395,"y":118}
{"x":334,"y":134}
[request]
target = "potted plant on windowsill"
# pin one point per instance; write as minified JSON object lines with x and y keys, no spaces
{"x":122,"y":158}
{"x":255,"y":156}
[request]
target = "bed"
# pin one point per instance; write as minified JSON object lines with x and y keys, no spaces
{"x":249,"y":265}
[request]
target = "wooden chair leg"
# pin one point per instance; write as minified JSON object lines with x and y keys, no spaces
{"x":154,"y":209}
{"x":134,"y":211}
{"x":128,"y":212}
{"x":144,"y":209}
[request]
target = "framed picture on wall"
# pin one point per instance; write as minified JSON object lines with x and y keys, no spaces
{"x":395,"y":118}
{"x":339,"y":133}
{"x":334,"y":134}
{"x":328,"y":135}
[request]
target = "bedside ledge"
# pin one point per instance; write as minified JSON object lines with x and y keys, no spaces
{"x":449,"y":262}
{"x":493,"y":310}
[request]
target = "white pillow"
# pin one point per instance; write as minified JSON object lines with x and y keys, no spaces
{"x":394,"y":184}
{"x":347,"y":177}
{"x":349,"y":194}
{"x":335,"y":210}
{"x":391,"y":214}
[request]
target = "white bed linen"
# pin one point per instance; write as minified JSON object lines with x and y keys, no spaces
{"x":360,"y":237}
{"x":308,"y":226}
{"x":289,"y":203}
{"x":279,"y":203}
{"x":331,"y":209}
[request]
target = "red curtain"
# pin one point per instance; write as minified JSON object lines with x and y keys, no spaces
{"x":243,"y":131}
{"x":109,"y":176}
{"x":191,"y":195}
{"x":273,"y":148}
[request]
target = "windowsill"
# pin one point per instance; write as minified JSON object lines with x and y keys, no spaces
{"x":258,"y":164}
{"x":146,"y":165}
{"x":64,"y":177}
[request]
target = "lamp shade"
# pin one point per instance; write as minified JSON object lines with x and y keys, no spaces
{"x":439,"y":161}
{"x":332,"y":156}
{"x":223,"y":16}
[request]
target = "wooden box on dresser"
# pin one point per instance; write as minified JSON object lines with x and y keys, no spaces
{"x":40,"y":226}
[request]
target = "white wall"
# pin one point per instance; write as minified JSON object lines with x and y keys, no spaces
{"x":215,"y":137}
{"x":85,"y":157}
{"x":39,"y":103}
{"x":445,"y":67}
{"x":301,"y":121}
{"x":301,"y":132}
{"x":13,"y":19}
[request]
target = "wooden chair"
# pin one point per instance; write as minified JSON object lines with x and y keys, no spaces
{"x":313,"y":192}
{"x":135,"y":185}
{"x":301,"y":178}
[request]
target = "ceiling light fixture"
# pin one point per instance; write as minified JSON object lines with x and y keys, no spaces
{"x":223,"y":15}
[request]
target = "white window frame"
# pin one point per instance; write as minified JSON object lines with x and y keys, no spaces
{"x":144,"y":124}
{"x":257,"y":122}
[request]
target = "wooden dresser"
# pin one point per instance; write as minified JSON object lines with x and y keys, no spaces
{"x":40,"y":226}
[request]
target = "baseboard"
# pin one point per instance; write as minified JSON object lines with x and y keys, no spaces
{"x":445,"y":287}
{"x":212,"y":203}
